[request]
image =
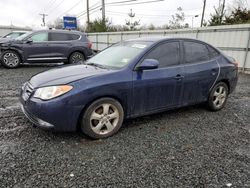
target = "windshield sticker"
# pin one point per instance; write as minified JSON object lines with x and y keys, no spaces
{"x":125,"y":60}
{"x":139,"y":46}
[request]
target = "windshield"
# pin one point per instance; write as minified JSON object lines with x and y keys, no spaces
{"x":119,"y":55}
{"x":24,"y":36}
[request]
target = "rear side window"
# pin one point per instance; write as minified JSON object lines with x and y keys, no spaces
{"x":212,"y":52}
{"x":167,"y":54}
{"x":195,"y":52}
{"x":59,"y":37}
{"x":74,"y":37}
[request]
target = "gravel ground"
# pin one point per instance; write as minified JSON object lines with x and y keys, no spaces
{"x":188,"y":147}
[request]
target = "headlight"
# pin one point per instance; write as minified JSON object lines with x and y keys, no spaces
{"x":46,"y":93}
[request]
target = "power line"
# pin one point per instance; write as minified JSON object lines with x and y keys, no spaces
{"x":53,"y":9}
{"x":136,"y":3}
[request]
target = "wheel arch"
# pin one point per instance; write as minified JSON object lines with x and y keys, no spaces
{"x":82,"y":52}
{"x":227,"y":83}
{"x":97,"y":98}
{"x":20,"y":55}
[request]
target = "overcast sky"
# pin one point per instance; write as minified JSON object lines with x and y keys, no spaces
{"x":26,"y":12}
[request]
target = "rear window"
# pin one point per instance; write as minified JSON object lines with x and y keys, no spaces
{"x":195,"y":52}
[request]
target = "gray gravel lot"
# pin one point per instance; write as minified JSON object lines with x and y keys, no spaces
{"x":188,"y":147}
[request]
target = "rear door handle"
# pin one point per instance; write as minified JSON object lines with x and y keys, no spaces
{"x":179,"y":77}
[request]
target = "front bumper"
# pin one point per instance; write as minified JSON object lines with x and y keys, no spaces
{"x":38,"y":122}
{"x":58,"y":114}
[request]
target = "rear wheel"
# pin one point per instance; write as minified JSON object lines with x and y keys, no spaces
{"x":10,"y":59}
{"x":103,"y":118}
{"x":76,"y":57}
{"x":218,"y":96}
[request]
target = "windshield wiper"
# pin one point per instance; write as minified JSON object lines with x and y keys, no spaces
{"x":97,"y":65}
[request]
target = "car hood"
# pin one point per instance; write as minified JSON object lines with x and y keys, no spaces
{"x":8,"y":41}
{"x":65,"y":75}
{"x":4,"y":40}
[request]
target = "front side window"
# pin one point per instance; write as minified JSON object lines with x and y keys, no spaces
{"x":40,"y":37}
{"x":195,"y":52}
{"x":167,"y":54}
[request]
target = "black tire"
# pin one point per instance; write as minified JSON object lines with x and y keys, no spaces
{"x":76,"y":57}
{"x":10,"y":59}
{"x":97,"y":128}
{"x":219,"y":93}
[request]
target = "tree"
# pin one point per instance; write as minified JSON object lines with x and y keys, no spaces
{"x":57,"y":24}
{"x":151,"y":27}
{"x":238,"y":16}
{"x":98,"y":25}
{"x":177,"y":19}
{"x":132,"y":25}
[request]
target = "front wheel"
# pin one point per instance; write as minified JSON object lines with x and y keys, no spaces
{"x":218,"y":96}
{"x":10,"y":59}
{"x":76,"y":57}
{"x":103,"y":118}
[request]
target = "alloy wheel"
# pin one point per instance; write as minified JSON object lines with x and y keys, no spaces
{"x":11,"y":59}
{"x":77,"y":57}
{"x":219,"y":96}
{"x":104,"y":119}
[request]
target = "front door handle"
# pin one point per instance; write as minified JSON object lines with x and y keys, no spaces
{"x":179,"y":77}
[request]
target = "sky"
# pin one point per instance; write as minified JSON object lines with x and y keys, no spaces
{"x":26,"y":12}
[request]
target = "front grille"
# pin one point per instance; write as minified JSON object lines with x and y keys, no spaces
{"x":27,"y":91}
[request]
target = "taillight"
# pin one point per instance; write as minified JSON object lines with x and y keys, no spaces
{"x":236,"y":63}
{"x":89,"y":44}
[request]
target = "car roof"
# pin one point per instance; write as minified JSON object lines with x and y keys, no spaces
{"x":61,"y":31}
{"x":162,"y":38}
{"x":19,"y":31}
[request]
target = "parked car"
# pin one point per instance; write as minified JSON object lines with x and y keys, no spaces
{"x":46,"y":46}
{"x":129,"y":79}
{"x":14,"y":34}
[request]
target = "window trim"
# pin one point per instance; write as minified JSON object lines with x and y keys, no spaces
{"x":157,"y":45}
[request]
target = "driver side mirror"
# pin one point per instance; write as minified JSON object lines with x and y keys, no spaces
{"x":29,"y":40}
{"x":147,"y":64}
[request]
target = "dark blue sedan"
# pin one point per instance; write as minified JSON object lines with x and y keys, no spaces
{"x":129,"y":79}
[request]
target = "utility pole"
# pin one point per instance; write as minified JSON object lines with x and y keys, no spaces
{"x":43,"y":18}
{"x":203,"y":12}
{"x":222,"y":11}
{"x":103,"y":10}
{"x":87,"y":13}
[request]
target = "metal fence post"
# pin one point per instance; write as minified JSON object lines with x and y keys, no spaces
{"x":247,"y":51}
{"x":197,"y":34}
{"x":108,"y":40}
{"x":96,"y":39}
